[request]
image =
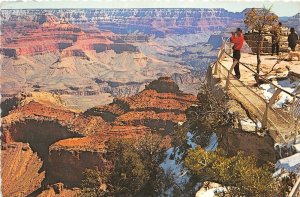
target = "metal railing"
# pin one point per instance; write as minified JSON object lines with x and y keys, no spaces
{"x":268,"y":117}
{"x":263,"y":113}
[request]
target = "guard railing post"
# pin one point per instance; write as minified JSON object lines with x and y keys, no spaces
{"x":229,"y":73}
{"x":269,"y":105}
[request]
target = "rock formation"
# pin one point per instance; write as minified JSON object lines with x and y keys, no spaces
{"x":62,"y":192}
{"x":159,"y":106}
{"x":163,"y":85}
{"x":235,"y":140}
{"x":70,"y":157}
{"x":46,"y":33}
{"x":67,"y":142}
{"x":46,"y":53}
{"x":153,"y":21}
{"x":21,"y":171}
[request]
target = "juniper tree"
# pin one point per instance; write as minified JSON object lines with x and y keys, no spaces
{"x":239,"y":174}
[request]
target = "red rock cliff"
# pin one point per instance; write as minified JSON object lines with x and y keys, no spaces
{"x":46,"y":33}
{"x":68,"y":141}
{"x":160,"y":106}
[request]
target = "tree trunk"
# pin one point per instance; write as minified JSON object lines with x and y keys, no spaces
{"x":258,"y":58}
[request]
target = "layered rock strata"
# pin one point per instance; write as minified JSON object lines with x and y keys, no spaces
{"x":68,"y":141}
{"x":21,"y":171}
{"x":47,"y":34}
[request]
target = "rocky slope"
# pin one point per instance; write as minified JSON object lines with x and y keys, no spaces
{"x":21,"y":171}
{"x":65,"y":140}
{"x":159,"y":106}
{"x":41,"y":125}
{"x":24,"y":98}
{"x":261,"y":147}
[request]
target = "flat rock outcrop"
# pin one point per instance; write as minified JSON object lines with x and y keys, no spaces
{"x":68,"y":158}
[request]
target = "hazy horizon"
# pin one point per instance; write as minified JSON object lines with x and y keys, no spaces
{"x":281,"y":8}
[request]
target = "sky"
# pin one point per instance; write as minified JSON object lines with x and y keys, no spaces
{"x":279,"y":7}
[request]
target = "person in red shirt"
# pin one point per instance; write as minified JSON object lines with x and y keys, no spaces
{"x":237,"y":39}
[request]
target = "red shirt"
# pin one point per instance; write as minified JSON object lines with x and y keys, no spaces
{"x":238,"y":41}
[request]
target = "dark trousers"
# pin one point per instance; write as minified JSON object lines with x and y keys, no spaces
{"x":293,"y":47}
{"x":237,"y":56}
{"x":275,"y":48}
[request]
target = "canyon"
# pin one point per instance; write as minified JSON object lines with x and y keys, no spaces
{"x":157,"y":22}
{"x":72,"y":79}
{"x":56,"y":141}
{"x":90,"y":56}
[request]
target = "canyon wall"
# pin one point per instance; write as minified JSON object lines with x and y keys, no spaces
{"x":47,"y":33}
{"x":160,"y":106}
{"x":68,"y":159}
{"x":81,"y":63}
{"x":148,"y":21}
{"x":60,"y":52}
{"x":294,"y":22}
{"x":21,"y":170}
{"x":39,"y":133}
{"x":66,"y":142}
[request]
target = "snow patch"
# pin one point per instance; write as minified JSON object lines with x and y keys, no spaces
{"x":189,"y":136}
{"x":297,"y":148}
{"x":248,"y":125}
{"x":277,"y":173}
{"x":291,"y":163}
{"x":213,"y":143}
{"x":180,"y":123}
{"x":283,"y":98}
{"x":176,"y":168}
{"x":211,"y":192}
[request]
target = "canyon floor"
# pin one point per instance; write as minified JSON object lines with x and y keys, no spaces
{"x":84,"y":83}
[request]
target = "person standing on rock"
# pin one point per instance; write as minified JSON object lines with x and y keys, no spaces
{"x":293,"y":39}
{"x":237,"y":39}
{"x":276,"y":35}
